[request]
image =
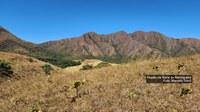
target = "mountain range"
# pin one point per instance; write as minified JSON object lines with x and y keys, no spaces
{"x":137,"y":45}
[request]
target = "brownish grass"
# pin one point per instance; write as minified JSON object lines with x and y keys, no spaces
{"x":107,"y":89}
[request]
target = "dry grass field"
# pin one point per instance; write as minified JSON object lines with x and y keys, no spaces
{"x":121,"y":88}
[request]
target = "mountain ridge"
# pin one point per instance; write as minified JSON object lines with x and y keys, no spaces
{"x":117,"y":45}
{"x":149,"y":42}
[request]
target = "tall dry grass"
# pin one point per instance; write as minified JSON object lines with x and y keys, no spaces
{"x":107,"y":89}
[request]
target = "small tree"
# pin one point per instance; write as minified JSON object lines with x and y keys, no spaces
{"x":76,"y":85}
{"x":47,"y":68}
{"x":5,"y":68}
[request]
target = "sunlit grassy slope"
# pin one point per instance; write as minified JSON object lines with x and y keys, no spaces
{"x":105,"y":90}
{"x":93,"y":62}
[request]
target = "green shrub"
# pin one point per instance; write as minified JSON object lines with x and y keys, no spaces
{"x":180,"y":65}
{"x":30,"y":59}
{"x":77,"y":84}
{"x":132,"y":94}
{"x":102,"y":64}
{"x":185,"y":91}
{"x":47,"y":68}
{"x":33,"y":109}
{"x":87,"y":67}
{"x":5,"y":68}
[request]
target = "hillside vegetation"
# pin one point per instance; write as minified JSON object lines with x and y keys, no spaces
{"x":121,"y":88}
{"x":24,"y":66}
{"x":10,"y":43}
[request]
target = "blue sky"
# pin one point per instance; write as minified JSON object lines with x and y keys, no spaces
{"x":44,"y":20}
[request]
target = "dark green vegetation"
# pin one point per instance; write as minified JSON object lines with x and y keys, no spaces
{"x":60,"y":62}
{"x":102,"y":64}
{"x":116,"y":59}
{"x":119,"y":59}
{"x":5,"y":68}
{"x":87,"y":67}
{"x":47,"y":69}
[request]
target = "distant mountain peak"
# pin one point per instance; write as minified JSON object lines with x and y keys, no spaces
{"x":148,"y":32}
{"x":120,"y":33}
{"x":6,"y":35}
{"x":139,"y":31}
{"x":90,"y":33}
{"x":2,"y":29}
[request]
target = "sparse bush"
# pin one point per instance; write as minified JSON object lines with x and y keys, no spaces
{"x":87,"y":67}
{"x":148,"y":91}
{"x":5,"y":68}
{"x":132,"y":94}
{"x":103,"y":64}
{"x":155,"y":67}
{"x":185,"y":91}
{"x":47,"y":68}
{"x":180,"y":65}
{"x":41,"y":102}
{"x":33,"y":109}
{"x":30,"y":59}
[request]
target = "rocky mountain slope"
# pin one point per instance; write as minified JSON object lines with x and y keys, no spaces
{"x":135,"y":45}
{"x":169,"y":46}
{"x":120,"y":44}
